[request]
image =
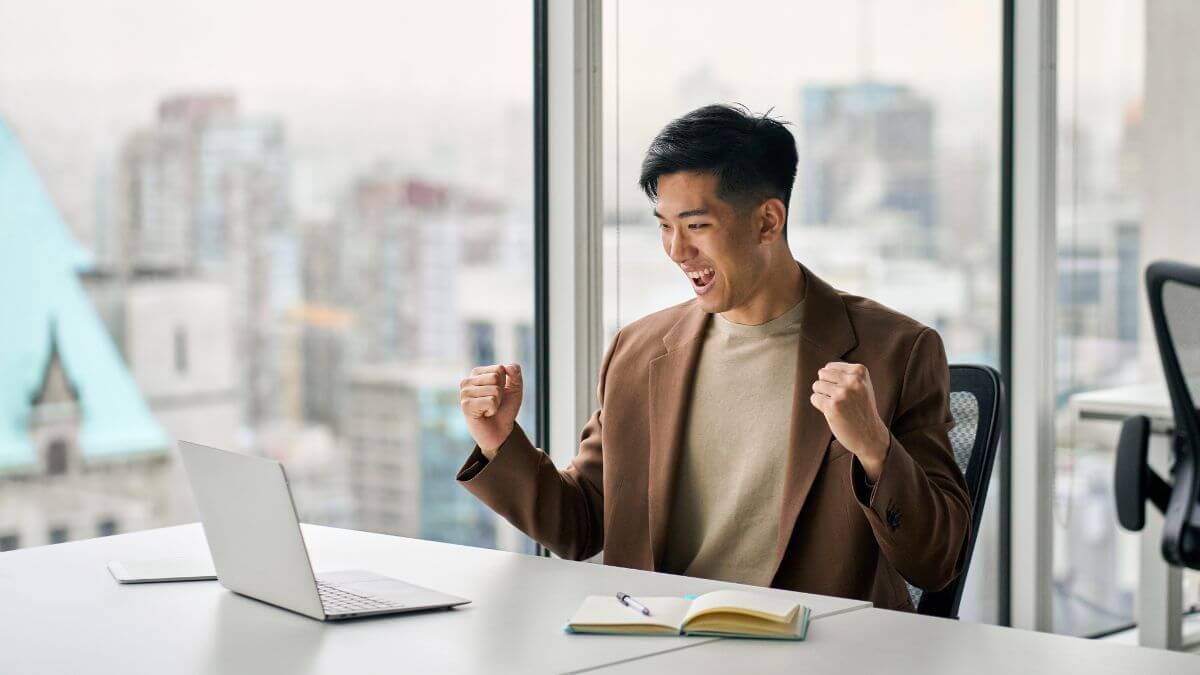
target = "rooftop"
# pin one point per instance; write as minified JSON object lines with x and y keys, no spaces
{"x":43,"y":305}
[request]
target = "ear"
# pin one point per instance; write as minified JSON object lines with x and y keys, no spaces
{"x":771,"y":217}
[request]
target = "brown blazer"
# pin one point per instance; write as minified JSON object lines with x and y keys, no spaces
{"x":837,"y":535}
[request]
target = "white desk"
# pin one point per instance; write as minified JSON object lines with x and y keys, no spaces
{"x":61,"y":612}
{"x":1160,"y":586}
{"x":883,"y":641}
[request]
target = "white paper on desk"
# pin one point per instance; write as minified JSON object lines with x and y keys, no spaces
{"x":162,"y":569}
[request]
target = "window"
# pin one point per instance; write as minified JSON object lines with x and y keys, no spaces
{"x":1101,"y":59}
{"x":273,"y":245}
{"x":57,"y":535}
{"x":56,"y":458}
{"x":181,"y":353}
{"x":1125,"y":198}
{"x":9,"y":542}
{"x":897,"y":194}
{"x":106,"y":527}
{"x":525,"y":356}
{"x":482,"y":337}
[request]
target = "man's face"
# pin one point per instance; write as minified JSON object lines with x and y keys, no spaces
{"x":704,"y":234}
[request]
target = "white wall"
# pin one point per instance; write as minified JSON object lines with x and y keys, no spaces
{"x":1171,"y":228}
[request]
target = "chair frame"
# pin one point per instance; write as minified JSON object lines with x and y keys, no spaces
{"x":1181,"y":536}
{"x":985,"y":383}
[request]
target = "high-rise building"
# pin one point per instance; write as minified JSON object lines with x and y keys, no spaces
{"x":405,"y":440}
{"x":324,"y":324}
{"x":499,"y":330}
{"x":1129,"y":230}
{"x":1129,"y":274}
{"x":380,"y":430}
{"x":448,"y":512}
{"x":206,"y":193}
{"x":400,"y":243}
{"x":866,"y":150}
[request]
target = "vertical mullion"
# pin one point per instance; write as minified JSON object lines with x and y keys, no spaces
{"x":1004,"y":580}
{"x":573,"y":256}
{"x":541,"y":220}
{"x":1033,"y":304}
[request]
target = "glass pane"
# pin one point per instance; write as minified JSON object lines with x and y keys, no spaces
{"x":1100,"y":267}
{"x":897,"y":193}
{"x":287,"y":230}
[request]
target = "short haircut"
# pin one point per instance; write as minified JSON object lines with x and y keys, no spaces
{"x":752,"y":156}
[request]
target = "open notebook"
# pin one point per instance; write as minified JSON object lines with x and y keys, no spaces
{"x":719,"y":613}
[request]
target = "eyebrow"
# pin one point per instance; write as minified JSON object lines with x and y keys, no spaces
{"x":685,"y":214}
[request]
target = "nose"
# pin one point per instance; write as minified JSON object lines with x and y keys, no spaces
{"x":678,"y":247}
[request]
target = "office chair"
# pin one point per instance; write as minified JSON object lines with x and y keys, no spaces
{"x":1174,"y":290}
{"x":977,"y":405}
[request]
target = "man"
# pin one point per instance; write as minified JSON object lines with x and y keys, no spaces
{"x":770,"y":431}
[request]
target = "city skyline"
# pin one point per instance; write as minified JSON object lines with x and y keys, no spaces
{"x":105,"y":64}
{"x":362,"y":102}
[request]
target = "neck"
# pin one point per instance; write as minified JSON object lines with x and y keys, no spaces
{"x":782,"y":288}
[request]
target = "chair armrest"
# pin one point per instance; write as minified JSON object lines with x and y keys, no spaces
{"x":1134,"y":481}
{"x":1129,"y":479}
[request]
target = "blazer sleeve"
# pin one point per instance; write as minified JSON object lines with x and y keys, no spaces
{"x":562,"y":510}
{"x":918,"y":508}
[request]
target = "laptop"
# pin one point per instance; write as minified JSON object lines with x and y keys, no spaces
{"x":258,"y":550}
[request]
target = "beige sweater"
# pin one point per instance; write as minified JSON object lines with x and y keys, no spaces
{"x":724,"y":519}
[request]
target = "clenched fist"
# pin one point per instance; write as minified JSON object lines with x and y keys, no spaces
{"x":490,"y":398}
{"x":844,"y":394}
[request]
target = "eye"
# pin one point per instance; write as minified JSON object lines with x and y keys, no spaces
{"x":696,"y":226}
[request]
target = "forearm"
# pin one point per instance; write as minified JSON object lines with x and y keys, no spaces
{"x":559,"y":509}
{"x":920,"y":518}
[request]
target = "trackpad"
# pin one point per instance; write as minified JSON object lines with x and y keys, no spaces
{"x":386,"y":588}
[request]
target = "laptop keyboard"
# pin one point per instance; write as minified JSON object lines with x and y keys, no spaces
{"x":338,"y":601}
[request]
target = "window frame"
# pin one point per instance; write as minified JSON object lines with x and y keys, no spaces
{"x":1027,"y":469}
{"x":568,"y":331}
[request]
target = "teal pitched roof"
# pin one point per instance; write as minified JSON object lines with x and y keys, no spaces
{"x":40,"y":292}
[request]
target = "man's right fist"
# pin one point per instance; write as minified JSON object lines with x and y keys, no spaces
{"x":490,"y":398}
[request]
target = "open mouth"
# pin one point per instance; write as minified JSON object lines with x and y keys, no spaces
{"x":702,"y":280}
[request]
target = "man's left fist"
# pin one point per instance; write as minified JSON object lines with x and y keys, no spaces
{"x":843,"y":393}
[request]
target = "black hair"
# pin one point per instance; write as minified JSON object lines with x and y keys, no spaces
{"x":753,"y":156}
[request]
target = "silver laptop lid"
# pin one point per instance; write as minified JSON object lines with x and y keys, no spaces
{"x":252,"y":528}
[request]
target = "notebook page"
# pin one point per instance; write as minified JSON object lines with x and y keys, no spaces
{"x":755,"y":604}
{"x":606,"y":610}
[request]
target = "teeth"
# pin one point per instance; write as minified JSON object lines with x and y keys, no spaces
{"x":697,"y":275}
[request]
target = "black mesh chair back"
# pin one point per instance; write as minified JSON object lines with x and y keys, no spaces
{"x":1174,"y":290}
{"x":976,"y":404}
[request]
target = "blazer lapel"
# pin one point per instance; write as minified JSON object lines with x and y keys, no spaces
{"x":671,"y":379}
{"x":825,"y":335}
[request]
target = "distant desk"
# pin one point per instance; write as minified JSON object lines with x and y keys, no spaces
{"x":1160,"y":586}
{"x":1117,"y":403}
{"x":884,"y":641}
{"x":61,"y":612}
